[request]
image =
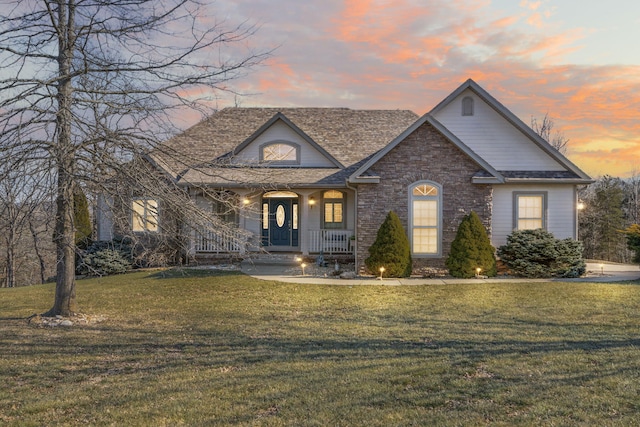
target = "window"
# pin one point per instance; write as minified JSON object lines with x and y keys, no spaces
{"x":281,"y":153}
{"x":467,"y":106}
{"x":333,"y":202}
{"x":225,"y":205}
{"x":425,"y":218}
{"x":530,"y":211}
{"x":145,"y":215}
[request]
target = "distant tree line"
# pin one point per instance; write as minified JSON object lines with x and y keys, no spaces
{"x":610,"y":205}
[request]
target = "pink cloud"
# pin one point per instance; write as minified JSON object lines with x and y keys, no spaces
{"x":401,"y":54}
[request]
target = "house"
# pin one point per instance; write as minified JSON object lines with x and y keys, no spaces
{"x":321,"y":180}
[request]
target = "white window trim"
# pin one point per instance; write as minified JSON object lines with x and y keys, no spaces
{"x":334,"y":225}
{"x":280,"y":162}
{"x":468,"y":100}
{"x":438,"y":199}
{"x":516,"y":213}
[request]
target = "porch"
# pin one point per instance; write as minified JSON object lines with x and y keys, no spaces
{"x":326,"y":241}
{"x":306,"y":222}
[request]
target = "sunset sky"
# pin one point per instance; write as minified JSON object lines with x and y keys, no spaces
{"x":576,"y":60}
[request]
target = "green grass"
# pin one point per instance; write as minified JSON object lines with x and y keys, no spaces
{"x":226,"y":349}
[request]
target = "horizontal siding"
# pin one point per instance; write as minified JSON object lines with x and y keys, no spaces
{"x":104,"y":218}
{"x":561,"y":204}
{"x":279,"y":131}
{"x":493,"y":138}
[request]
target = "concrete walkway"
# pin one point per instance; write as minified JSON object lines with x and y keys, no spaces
{"x":290,"y":272}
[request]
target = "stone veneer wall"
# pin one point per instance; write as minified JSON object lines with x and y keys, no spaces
{"x":424,"y":155}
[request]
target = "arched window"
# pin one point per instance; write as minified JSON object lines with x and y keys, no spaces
{"x":467,"y":106}
{"x":425,"y":218}
{"x":280,"y":153}
{"x":333,"y":202}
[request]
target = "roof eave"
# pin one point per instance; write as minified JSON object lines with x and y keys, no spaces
{"x":574,"y":181}
{"x":486,"y":180}
{"x":363,"y":179}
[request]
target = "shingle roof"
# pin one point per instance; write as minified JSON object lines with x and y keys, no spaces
{"x":348,"y":135}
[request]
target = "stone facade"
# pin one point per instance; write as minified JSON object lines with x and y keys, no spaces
{"x":424,"y":155}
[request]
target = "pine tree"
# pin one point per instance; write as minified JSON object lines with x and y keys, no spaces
{"x":391,"y":249}
{"x":471,"y":249}
{"x":633,"y":240}
{"x":82,"y":219}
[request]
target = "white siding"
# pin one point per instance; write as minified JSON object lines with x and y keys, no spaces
{"x":561,"y":210}
{"x":104,"y":217}
{"x":279,"y":131}
{"x":493,"y":138}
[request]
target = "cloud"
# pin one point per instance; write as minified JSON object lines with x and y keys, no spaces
{"x":403,"y":54}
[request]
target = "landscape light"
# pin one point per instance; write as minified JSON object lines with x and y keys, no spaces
{"x":381,"y":271}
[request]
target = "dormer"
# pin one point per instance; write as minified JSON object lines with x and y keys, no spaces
{"x":280,"y":143}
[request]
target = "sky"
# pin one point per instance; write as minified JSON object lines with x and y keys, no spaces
{"x":575,"y":60}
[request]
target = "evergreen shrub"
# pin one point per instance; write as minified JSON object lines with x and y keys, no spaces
{"x":81,"y":219}
{"x":471,"y":249}
{"x":390,"y":250}
{"x":633,"y":240}
{"x":106,"y":258}
{"x":537,"y":253}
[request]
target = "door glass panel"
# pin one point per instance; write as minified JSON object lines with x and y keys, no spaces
{"x":280,"y":217}
{"x":265,"y":216}
{"x":295,"y":216}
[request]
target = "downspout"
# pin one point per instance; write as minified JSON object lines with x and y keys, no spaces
{"x":355,"y":242}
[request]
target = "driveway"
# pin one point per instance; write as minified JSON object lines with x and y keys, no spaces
{"x":289,"y":271}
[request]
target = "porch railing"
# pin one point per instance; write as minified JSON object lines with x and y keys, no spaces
{"x":331,"y":241}
{"x":227,"y":241}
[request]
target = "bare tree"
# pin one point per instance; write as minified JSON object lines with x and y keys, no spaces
{"x":22,"y":195}
{"x":545,"y":130}
{"x":88,"y":84}
{"x":632,"y":198}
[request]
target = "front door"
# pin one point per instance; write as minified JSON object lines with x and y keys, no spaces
{"x":281,"y":227}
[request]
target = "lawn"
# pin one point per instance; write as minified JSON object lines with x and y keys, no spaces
{"x":207,"y":348}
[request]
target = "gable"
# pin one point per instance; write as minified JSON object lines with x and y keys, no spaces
{"x":493,"y":137}
{"x":485,"y":174}
{"x":305,"y":152}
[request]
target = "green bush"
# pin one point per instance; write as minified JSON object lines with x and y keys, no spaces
{"x":81,"y":219}
{"x":105,"y":258}
{"x":537,"y":253}
{"x":471,"y":249}
{"x":390,"y":250}
{"x":633,"y":240}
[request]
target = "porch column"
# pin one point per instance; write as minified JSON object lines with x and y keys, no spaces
{"x":191,"y":233}
{"x":304,"y":223}
{"x":245,"y":202}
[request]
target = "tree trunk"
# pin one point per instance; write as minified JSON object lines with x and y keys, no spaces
{"x":65,"y":299}
{"x":11,"y":262}
{"x":36,"y":249}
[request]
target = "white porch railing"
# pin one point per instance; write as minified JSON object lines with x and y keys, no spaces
{"x":331,"y":241}
{"x":218,"y":241}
